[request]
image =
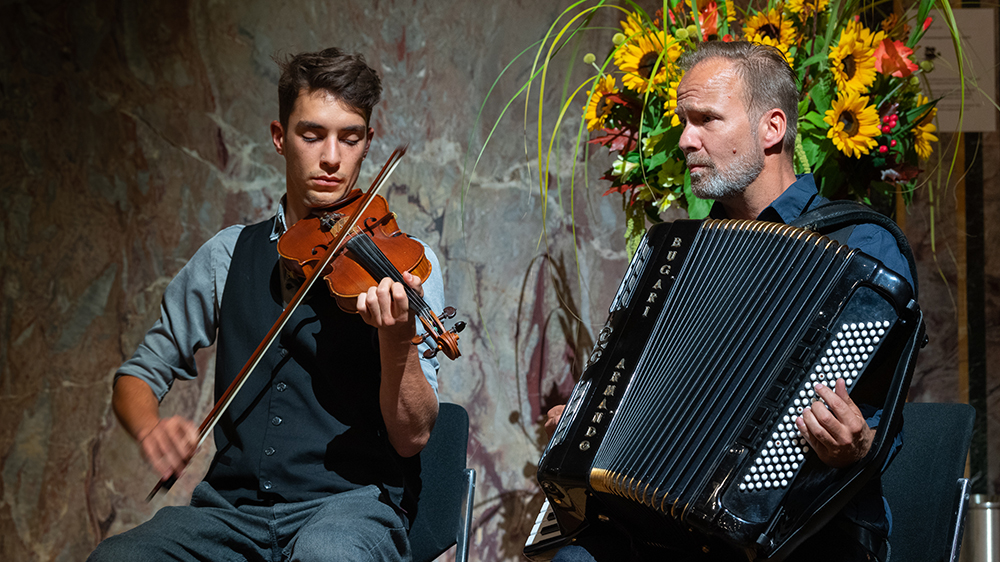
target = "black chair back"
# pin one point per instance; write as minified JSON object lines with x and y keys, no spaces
{"x":444,"y":489}
{"x":922,"y":485}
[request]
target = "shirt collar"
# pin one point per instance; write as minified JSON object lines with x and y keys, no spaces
{"x":797,"y":199}
{"x":279,"y":227}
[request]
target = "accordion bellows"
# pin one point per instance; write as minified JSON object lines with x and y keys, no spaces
{"x":682,"y":427}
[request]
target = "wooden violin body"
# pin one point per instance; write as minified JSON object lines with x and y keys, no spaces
{"x":303,"y":246}
{"x":372,"y":250}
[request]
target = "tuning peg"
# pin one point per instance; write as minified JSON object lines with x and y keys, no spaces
{"x":459,"y":326}
{"x":447,"y":312}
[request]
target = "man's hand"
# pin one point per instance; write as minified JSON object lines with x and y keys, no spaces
{"x":552,"y":419}
{"x":386,"y":304}
{"x":169,"y":446}
{"x":837,"y":432}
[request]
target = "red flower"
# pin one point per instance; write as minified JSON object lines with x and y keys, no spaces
{"x":670,"y":15}
{"x":893,"y":57}
{"x":708,"y":19}
{"x":927,"y":23}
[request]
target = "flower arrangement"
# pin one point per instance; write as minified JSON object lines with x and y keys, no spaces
{"x":865,"y":124}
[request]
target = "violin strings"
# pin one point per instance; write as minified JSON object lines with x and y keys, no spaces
{"x":378,"y":266}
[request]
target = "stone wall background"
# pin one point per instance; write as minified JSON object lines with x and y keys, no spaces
{"x":131,"y":132}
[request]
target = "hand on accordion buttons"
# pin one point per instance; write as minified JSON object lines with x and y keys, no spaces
{"x":552,"y":419}
{"x":838,"y":432}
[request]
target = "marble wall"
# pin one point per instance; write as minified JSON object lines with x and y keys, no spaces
{"x":132,"y":132}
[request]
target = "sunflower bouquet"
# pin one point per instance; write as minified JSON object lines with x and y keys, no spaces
{"x":865,"y":124}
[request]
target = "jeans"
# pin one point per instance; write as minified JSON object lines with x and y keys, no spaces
{"x":348,"y":526}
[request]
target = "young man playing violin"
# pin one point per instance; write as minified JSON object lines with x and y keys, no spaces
{"x":312,"y":452}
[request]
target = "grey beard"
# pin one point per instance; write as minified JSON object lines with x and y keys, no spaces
{"x":716,"y":184}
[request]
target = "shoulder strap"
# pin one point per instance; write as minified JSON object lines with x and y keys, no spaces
{"x":838,"y":218}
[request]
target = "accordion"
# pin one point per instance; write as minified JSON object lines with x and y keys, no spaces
{"x":682,"y":430}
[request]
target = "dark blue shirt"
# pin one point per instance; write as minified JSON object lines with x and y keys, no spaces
{"x":802,"y":196}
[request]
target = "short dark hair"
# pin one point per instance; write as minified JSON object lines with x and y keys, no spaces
{"x":768,"y":80}
{"x":344,"y":75}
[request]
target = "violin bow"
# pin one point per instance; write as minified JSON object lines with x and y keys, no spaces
{"x":213,"y":417}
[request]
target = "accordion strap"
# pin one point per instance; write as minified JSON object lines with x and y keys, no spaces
{"x":837,"y":219}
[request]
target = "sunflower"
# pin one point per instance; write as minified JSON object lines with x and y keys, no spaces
{"x":638,"y":57}
{"x":867,"y":37}
{"x":771,"y":29}
{"x":923,"y":132}
{"x":670,"y":104}
{"x":599,"y":106}
{"x":806,"y":9}
{"x":632,"y":25}
{"x":852,"y":60}
{"x":853,"y":124}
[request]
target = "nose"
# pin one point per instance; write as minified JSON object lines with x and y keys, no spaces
{"x":330,"y":155}
{"x":689,"y":139}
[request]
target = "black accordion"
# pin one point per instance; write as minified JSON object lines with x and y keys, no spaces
{"x":681,"y":430}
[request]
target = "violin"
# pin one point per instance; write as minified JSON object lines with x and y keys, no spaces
{"x":351,"y":258}
{"x":377,"y":249}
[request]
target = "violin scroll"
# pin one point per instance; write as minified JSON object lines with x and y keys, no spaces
{"x":444,"y":340}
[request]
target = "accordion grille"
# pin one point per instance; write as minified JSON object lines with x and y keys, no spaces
{"x":744,"y":287}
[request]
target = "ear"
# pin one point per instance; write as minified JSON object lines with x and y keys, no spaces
{"x":771,"y":131}
{"x":278,"y":137}
{"x":368,"y":142}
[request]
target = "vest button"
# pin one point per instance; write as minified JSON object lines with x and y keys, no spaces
{"x":281,"y":386}
{"x":269,"y":451}
{"x":267,"y":485}
{"x":283,"y":352}
{"x":275,"y":420}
